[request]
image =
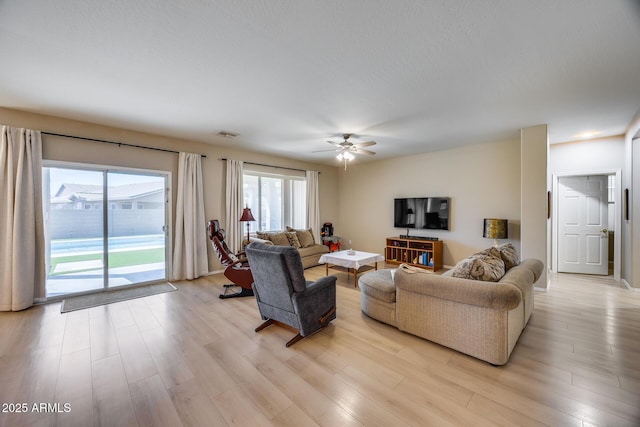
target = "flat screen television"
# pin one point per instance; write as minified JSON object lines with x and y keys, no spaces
{"x":421,"y":213}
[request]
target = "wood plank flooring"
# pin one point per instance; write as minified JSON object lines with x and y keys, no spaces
{"x":188,"y":358}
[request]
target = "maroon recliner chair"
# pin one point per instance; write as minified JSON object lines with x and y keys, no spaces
{"x":236,"y":266}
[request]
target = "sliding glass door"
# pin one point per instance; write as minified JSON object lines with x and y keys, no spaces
{"x":104,"y":228}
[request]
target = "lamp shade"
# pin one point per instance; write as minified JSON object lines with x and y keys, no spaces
{"x":246,"y":215}
{"x":495,"y":228}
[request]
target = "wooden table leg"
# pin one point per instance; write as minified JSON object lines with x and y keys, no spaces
{"x":355,"y":278}
{"x":326,"y":269}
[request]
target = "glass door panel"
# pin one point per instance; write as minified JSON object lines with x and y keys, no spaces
{"x":73,"y":213}
{"x":135,"y":228}
{"x":103,"y":229}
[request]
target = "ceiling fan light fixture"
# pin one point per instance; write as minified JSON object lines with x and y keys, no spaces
{"x":348,"y":156}
{"x":339,"y":156}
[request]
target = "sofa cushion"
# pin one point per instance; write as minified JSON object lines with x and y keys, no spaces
{"x":379,"y":285}
{"x":509,"y":255}
{"x":486,"y":266}
{"x":305,"y":237}
{"x":313,"y":250}
{"x":279,"y":239}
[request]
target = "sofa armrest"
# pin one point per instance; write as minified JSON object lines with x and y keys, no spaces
{"x":494,"y":295}
{"x":256,"y":239}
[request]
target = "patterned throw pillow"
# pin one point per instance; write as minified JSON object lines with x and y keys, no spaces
{"x":305,"y":237}
{"x":509,"y":255}
{"x":486,"y":266}
{"x":293,"y":239}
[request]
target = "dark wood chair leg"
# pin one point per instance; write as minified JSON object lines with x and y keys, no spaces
{"x":268,"y":322}
{"x":324,"y":318}
{"x":294,"y":340}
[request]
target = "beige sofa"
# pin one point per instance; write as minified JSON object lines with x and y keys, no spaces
{"x":479,"y":318}
{"x":310,"y":252}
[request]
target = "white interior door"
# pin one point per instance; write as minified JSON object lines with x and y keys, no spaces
{"x":582,"y":225}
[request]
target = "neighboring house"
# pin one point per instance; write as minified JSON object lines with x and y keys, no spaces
{"x":148,"y":195}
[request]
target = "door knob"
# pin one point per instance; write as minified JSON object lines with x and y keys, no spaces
{"x":604,"y":231}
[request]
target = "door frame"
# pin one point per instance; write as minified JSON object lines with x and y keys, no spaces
{"x":617,"y":237}
{"x":168,"y":207}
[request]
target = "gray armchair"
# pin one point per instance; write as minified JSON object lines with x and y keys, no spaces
{"x":282,"y":293}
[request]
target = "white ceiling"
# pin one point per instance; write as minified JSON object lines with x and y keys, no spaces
{"x":414,"y":76}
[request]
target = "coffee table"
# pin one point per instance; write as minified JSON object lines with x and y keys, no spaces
{"x":351,"y":262}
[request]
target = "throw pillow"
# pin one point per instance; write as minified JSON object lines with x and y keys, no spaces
{"x":481,"y":266}
{"x":509,"y":255}
{"x":293,"y":239}
{"x":279,"y":239}
{"x":305,"y":237}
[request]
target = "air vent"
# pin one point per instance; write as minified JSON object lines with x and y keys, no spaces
{"x":227,"y":134}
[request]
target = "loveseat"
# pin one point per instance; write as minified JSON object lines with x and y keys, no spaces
{"x":481,"y":318}
{"x":302,"y":240}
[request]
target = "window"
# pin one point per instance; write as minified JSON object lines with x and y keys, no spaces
{"x":276,"y":200}
{"x":127,"y":206}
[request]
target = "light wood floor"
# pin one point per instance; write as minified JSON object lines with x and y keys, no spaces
{"x":189,"y":358}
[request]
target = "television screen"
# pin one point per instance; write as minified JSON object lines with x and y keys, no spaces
{"x":421,"y":212}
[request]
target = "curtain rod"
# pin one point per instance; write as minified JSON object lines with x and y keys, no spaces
{"x":270,"y":166}
{"x":117,"y":143}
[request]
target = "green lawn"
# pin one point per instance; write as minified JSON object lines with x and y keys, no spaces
{"x":116,"y":259}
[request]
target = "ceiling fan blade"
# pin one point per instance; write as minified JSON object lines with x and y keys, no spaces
{"x":337,"y":144}
{"x":324,"y":151}
{"x":365,"y":144}
{"x":363,"y":151}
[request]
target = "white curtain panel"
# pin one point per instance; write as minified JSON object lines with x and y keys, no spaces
{"x":313,"y":204}
{"x":234,"y":204}
{"x":190,"y":249}
{"x":22,"y":269}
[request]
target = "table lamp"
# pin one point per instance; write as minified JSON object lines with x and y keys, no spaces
{"x":495,"y":229}
{"x":247,"y":217}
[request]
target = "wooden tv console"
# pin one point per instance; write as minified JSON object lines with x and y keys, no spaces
{"x":412,"y":251}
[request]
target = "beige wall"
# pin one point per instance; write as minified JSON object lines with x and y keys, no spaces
{"x":581,"y":157}
{"x":72,"y":150}
{"x":482,"y":181}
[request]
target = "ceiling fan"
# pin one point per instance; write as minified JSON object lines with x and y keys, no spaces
{"x":347,"y":149}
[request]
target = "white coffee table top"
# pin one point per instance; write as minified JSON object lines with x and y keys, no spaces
{"x":357,"y":260}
